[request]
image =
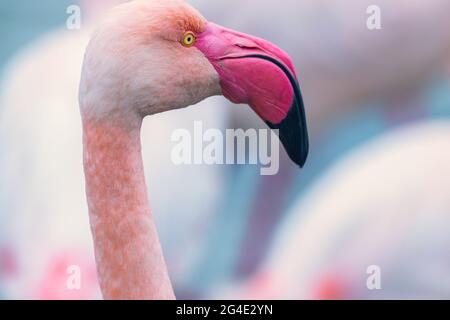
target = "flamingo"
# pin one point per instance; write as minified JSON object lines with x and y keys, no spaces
{"x":148,"y":57}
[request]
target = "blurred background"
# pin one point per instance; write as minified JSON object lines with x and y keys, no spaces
{"x":374,"y":194}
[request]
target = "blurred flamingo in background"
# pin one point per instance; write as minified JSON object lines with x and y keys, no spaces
{"x":384,"y":204}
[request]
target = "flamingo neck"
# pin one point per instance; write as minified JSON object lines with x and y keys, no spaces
{"x":129,"y":258}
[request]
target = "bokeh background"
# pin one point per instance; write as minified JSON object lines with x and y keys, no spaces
{"x":374,"y":192}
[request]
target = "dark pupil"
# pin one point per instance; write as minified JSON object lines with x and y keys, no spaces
{"x":189,"y":39}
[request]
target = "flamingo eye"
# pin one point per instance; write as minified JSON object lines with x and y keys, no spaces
{"x":188,"y":39}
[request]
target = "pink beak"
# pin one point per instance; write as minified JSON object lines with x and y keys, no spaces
{"x":255,"y":72}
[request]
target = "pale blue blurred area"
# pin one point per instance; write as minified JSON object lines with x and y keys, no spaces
{"x":23,"y":21}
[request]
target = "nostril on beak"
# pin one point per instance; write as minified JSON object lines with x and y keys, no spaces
{"x":247,"y":46}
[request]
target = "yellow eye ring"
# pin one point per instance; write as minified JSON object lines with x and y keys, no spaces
{"x":188,"y":39}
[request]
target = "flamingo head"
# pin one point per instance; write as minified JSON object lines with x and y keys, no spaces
{"x":151,"y":56}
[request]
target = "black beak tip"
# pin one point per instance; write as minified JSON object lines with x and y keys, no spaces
{"x":293,"y":132}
